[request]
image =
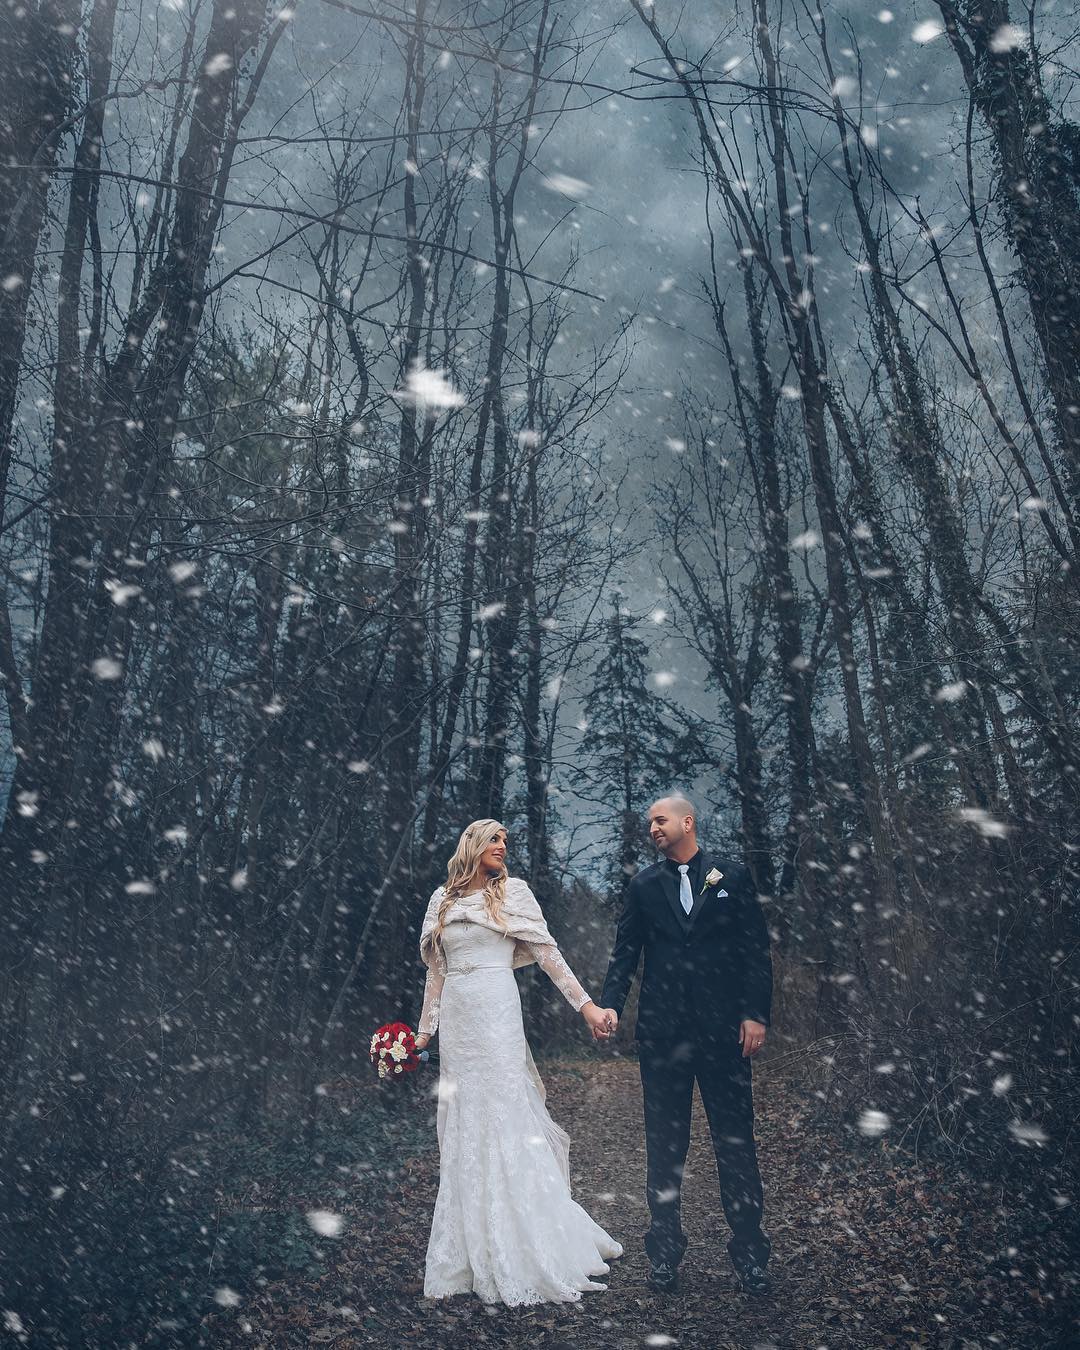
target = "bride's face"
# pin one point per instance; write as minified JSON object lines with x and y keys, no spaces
{"x":493,"y":857}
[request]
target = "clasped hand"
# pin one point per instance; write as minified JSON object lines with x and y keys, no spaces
{"x":603,"y":1022}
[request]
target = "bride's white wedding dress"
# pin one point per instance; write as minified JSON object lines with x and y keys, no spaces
{"x":505,"y":1224}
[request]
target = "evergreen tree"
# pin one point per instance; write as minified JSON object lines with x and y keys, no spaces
{"x":641,"y":746}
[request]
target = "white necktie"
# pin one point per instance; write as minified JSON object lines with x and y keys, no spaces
{"x":686,"y":895}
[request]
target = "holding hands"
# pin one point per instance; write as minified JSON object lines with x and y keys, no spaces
{"x":603,"y":1022}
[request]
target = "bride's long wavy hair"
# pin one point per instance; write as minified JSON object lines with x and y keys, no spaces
{"x":461,"y":869}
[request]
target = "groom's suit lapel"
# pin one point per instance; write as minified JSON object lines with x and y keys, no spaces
{"x":706,"y":895}
{"x":669,"y":884}
{"x":705,"y":898}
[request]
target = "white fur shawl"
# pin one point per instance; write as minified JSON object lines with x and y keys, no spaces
{"x":521,"y":919}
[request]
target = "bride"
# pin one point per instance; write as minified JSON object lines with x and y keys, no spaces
{"x":505,"y":1225}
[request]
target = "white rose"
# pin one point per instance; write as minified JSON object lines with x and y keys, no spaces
{"x":713,"y":876}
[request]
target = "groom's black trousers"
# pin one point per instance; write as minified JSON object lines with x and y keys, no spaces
{"x":668,"y":1073}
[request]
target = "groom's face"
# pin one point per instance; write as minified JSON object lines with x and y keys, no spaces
{"x":666,"y":826}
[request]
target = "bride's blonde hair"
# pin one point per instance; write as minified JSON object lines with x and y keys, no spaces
{"x":461,"y":869}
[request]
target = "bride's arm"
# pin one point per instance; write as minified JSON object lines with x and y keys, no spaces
{"x":553,"y":964}
{"x":429,"y":1017}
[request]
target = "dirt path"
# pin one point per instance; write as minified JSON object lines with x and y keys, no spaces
{"x":869,"y":1249}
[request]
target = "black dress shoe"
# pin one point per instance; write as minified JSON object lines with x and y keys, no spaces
{"x":663,"y":1278}
{"x":754,"y":1280}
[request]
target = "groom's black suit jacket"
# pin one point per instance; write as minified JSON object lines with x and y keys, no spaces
{"x":704,"y":973}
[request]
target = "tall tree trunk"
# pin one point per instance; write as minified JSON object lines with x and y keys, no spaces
{"x":759,"y":431}
{"x":133,"y":436}
{"x":920,"y":451}
{"x":1039,"y":195}
{"x":37,"y":69}
{"x":798,"y":301}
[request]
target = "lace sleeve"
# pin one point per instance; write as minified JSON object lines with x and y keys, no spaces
{"x":429,"y":1018}
{"x":551,"y":962}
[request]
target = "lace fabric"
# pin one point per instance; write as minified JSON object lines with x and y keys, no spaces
{"x":429,"y":1017}
{"x":506,"y":1226}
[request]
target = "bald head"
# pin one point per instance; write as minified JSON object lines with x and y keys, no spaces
{"x":673,"y":827}
{"x":677,"y":803}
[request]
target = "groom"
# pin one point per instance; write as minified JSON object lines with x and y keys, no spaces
{"x":702,"y":1014}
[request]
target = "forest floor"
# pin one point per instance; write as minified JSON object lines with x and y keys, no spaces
{"x":871,"y":1247}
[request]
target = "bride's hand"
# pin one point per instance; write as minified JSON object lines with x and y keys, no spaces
{"x":599,"y":1020}
{"x":421,"y":1042}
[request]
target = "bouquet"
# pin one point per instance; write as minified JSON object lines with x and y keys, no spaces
{"x":393,"y":1050}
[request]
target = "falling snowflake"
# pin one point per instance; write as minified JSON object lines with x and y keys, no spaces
{"x":873,"y":1123}
{"x":569,"y":187}
{"x":1027,"y":1132}
{"x":218,"y":65}
{"x":984,"y":822}
{"x":107,"y":668}
{"x":429,"y":389}
{"x":325,"y":1222}
{"x":120,"y":593}
{"x":1007,"y":38}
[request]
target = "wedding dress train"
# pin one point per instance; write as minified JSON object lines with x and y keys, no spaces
{"x":505,"y":1225}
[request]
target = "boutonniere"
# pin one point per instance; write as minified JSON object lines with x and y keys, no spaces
{"x":712,"y":878}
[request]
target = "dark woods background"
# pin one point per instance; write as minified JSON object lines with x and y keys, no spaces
{"x":335,"y":491}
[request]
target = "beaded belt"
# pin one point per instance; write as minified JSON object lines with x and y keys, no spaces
{"x":468,"y":970}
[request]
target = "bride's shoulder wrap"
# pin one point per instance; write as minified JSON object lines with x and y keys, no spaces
{"x":521,"y":919}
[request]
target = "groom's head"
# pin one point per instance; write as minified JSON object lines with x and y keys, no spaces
{"x":673,"y":825}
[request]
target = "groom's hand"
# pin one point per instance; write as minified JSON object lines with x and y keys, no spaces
{"x":751,"y":1036}
{"x":608,"y":1027}
{"x":602,"y":1021}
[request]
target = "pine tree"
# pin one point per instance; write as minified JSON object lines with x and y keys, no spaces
{"x":641,"y":746}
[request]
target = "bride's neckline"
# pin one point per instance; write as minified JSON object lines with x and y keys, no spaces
{"x":469,"y":895}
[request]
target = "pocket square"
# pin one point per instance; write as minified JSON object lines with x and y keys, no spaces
{"x":719,"y":893}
